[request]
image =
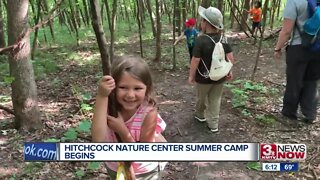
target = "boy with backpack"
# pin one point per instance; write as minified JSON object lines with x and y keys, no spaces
{"x":207,"y":89}
{"x":303,"y":64}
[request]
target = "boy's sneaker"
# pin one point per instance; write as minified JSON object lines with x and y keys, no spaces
{"x":309,"y":121}
{"x":214,"y":130}
{"x":200,"y":119}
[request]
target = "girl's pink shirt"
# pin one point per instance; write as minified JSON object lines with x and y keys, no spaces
{"x":134,"y":126}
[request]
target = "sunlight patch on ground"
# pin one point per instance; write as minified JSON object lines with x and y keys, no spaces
{"x":8,"y":171}
{"x":169,"y":102}
{"x":53,"y":107}
{"x":3,"y":140}
{"x":202,"y":164}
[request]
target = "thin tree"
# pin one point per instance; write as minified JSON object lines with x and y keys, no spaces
{"x":2,"y":38}
{"x":139,"y":27}
{"x":101,"y":39}
{"x":24,"y":90}
{"x":152,"y":18}
{"x":174,"y":61}
{"x":158,"y":37}
{"x":113,"y":27}
{"x":264,"y":16}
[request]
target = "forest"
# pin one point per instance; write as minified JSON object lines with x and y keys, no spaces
{"x":54,"y":52}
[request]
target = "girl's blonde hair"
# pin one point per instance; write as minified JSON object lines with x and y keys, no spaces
{"x":137,"y":68}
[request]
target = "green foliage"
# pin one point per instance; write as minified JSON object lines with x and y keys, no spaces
{"x":8,"y":80}
{"x":85,"y":107}
{"x":51,"y":140}
{"x":32,"y":167}
{"x":4,"y":99}
{"x":43,"y":66}
{"x":80,"y":173}
{"x":248,"y":95}
{"x":94,"y":165}
{"x":71,"y":134}
{"x":246,"y":112}
{"x":240,"y":97}
{"x":254,"y":166}
{"x":84,"y":126}
{"x":266,"y":119}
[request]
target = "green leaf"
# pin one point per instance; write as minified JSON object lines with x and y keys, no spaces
{"x":80,"y":173}
{"x":86,"y":107}
{"x":248,"y":85}
{"x":86,"y":96}
{"x":8,"y":80}
{"x":51,"y":140}
{"x":94,"y":165}
{"x":84,"y":126}
{"x":71,"y":134}
{"x":254,"y":165}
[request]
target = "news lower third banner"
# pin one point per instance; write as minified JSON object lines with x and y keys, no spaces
{"x":141,"y":151}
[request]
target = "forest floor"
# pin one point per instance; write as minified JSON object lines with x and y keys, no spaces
{"x":60,"y":103}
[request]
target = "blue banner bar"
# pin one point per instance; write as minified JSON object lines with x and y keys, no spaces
{"x":40,"y":151}
{"x":289,"y":167}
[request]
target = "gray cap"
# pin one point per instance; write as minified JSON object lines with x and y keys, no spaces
{"x":212,"y":15}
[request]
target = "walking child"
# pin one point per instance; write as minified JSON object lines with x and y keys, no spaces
{"x":191,"y":33}
{"x":208,"y":90}
{"x":256,"y":14}
{"x":138,"y":119}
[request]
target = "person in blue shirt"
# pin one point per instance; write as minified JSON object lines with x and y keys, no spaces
{"x":191,"y":33}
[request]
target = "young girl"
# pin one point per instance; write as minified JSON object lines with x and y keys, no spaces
{"x":138,"y":119}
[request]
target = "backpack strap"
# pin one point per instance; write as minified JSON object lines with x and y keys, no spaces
{"x":312,"y":4}
{"x":212,"y":39}
{"x":206,"y":75}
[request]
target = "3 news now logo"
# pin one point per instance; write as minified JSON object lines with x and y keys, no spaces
{"x":283,"y":151}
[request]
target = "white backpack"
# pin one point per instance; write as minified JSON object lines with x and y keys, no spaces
{"x":219,"y":66}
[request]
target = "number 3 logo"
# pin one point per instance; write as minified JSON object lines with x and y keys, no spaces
{"x":267,"y":150}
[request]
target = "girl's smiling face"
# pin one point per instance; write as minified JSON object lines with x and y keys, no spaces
{"x":130,"y":92}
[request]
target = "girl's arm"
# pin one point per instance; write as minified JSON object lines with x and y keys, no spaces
{"x":148,"y":127}
{"x":119,"y":127}
{"x":99,"y":120}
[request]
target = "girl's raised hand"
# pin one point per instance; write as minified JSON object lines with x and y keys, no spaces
{"x":106,"y":85}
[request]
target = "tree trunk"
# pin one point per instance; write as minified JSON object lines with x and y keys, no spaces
{"x":139,"y":26}
{"x":24,"y":90}
{"x":184,"y":11}
{"x":158,"y":38}
{"x":174,"y":61}
{"x":101,"y":39}
{"x":36,"y":20}
{"x":264,"y":19}
{"x":220,"y":6}
{"x":153,"y":26}
{"x":113,"y":28}
{"x":2,"y":38}
{"x":177,"y":17}
{"x":245,"y":14}
{"x":86,"y":13}
{"x":127,"y":14}
{"x":205,"y":3}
